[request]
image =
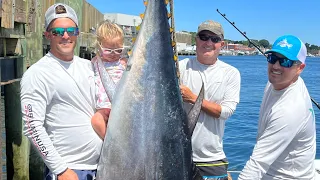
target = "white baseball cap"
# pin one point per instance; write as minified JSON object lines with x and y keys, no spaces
{"x":52,"y":15}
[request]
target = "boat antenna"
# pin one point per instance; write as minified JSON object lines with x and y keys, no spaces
{"x":244,"y":34}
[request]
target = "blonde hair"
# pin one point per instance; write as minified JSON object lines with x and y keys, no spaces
{"x":108,"y":31}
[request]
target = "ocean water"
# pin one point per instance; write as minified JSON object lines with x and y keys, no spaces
{"x":241,"y":128}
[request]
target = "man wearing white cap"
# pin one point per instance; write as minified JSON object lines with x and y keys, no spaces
{"x":222,"y":90}
{"x":58,"y":102}
{"x":286,"y":141}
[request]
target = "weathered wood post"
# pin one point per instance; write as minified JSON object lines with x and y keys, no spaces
{"x":18,"y":145}
{"x":3,"y":156}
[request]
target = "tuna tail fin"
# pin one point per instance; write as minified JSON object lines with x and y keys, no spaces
{"x":194,"y":112}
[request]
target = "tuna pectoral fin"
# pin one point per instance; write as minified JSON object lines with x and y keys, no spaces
{"x":195,"y":111}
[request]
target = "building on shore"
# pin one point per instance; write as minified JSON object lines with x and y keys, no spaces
{"x":128,"y":23}
{"x":184,"y":37}
{"x":184,"y":43}
{"x":237,"y":49}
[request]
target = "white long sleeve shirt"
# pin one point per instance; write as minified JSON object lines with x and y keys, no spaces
{"x":58,"y":101}
{"x":286,"y":142}
{"x":222,"y":86}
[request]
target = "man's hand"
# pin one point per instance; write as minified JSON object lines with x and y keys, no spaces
{"x":187,"y":94}
{"x":68,"y":175}
{"x":211,"y":108}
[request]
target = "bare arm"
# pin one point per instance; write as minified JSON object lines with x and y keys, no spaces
{"x":211,"y":108}
{"x":100,"y":120}
{"x":68,"y":175}
{"x":226,"y":107}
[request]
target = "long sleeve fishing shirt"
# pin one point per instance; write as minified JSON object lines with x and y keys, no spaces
{"x":221,"y":86}
{"x":286,"y":142}
{"x":58,"y":101}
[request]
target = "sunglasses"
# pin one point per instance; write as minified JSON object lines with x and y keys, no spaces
{"x":108,"y":51}
{"x":71,"y":31}
{"x":284,"y":62}
{"x":204,"y":37}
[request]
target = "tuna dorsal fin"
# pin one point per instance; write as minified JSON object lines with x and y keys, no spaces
{"x":195,"y":111}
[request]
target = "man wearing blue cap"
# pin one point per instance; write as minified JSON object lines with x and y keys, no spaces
{"x":286,"y":141}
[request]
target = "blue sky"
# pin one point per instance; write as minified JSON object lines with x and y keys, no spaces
{"x":259,"y":19}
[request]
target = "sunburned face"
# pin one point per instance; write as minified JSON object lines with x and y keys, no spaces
{"x":111,"y":50}
{"x":282,"y":77}
{"x":207,"y":50}
{"x":62,"y":46}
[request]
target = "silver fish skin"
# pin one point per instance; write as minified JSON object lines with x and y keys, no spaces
{"x":107,"y":82}
{"x":147,"y":135}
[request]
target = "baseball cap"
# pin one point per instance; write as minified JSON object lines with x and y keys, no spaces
{"x":291,"y":47}
{"x":52,"y":15}
{"x":212,"y":26}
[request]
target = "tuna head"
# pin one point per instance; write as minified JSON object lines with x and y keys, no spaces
{"x":147,"y":135}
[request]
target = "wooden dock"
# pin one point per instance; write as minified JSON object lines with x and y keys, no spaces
{"x":22,"y":44}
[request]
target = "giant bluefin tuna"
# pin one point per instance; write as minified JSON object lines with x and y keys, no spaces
{"x":148,"y":135}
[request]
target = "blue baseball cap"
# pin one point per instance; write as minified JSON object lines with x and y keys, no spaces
{"x":291,"y":47}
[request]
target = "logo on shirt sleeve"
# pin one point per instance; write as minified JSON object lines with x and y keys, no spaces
{"x":33,"y":131}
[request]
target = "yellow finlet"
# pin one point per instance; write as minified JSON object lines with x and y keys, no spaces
{"x":138,"y":28}
{"x":141,"y":16}
{"x":134,"y":39}
{"x":175,"y":58}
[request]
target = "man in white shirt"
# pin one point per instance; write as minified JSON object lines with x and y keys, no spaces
{"x":221,"y":96}
{"x":58,"y":101}
{"x":286,"y":141}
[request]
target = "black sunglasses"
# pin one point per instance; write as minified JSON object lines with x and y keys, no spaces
{"x":204,"y":37}
{"x":284,"y":62}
